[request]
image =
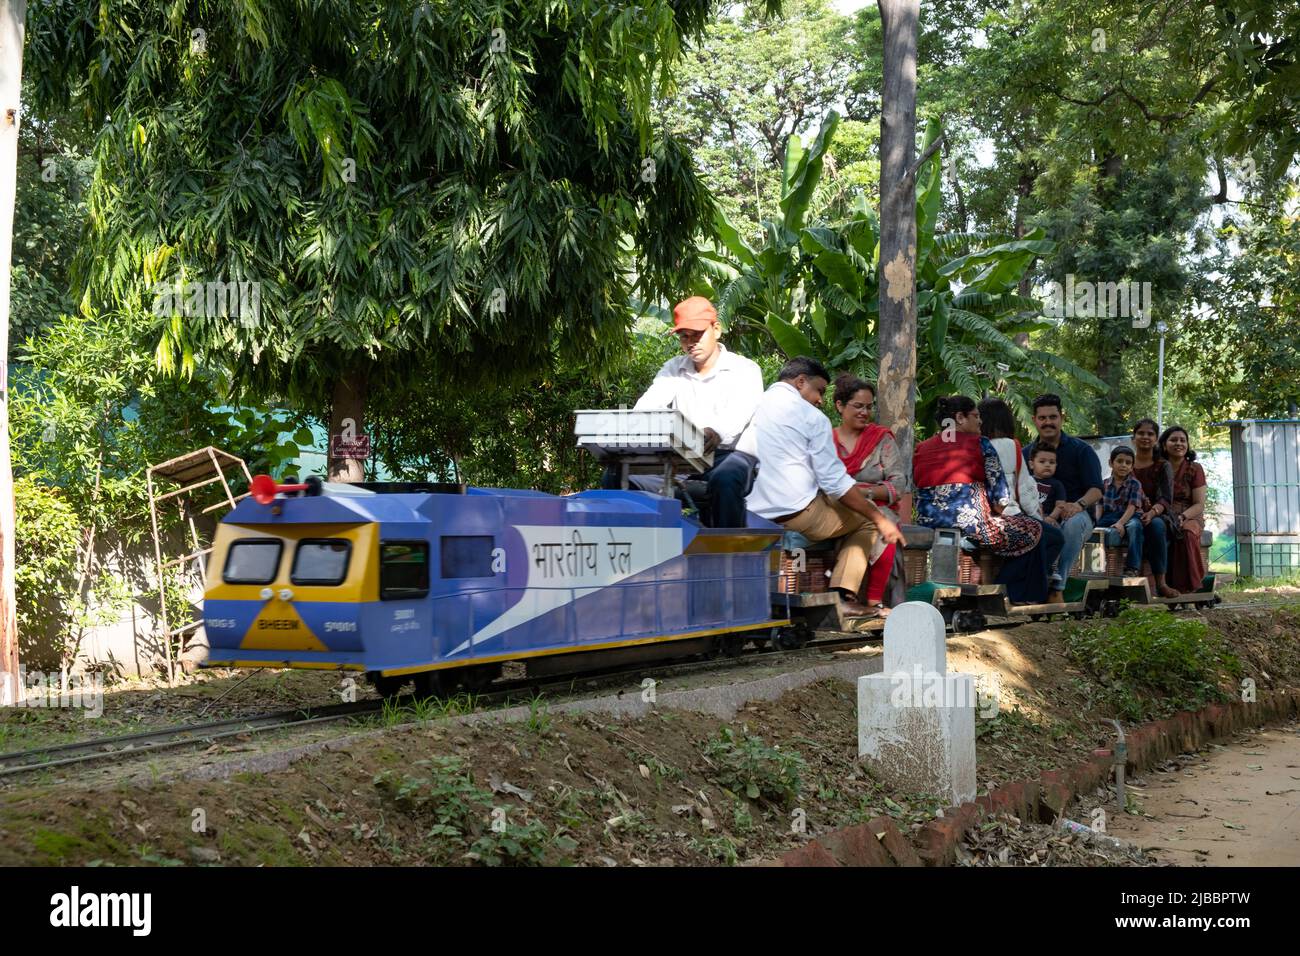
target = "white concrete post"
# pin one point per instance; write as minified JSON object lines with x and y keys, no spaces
{"x":916,"y":722}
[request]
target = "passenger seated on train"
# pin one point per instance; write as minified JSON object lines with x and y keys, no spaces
{"x":718,"y":390}
{"x":1042,"y":461}
{"x":1186,"y":564}
{"x":960,"y":484}
{"x":1078,"y":469}
{"x":1121,"y":502}
{"x":998,"y":425}
{"x":804,"y":486}
{"x":870,"y":454}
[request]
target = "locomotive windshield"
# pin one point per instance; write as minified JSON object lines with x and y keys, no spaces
{"x":323,"y":561}
{"x":252,"y":561}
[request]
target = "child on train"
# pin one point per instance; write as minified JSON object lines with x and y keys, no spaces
{"x":1051,"y":493}
{"x":1121,"y":502}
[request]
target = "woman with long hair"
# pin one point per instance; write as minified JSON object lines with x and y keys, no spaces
{"x":1157,"y":480}
{"x":998,"y":425}
{"x":1186,"y":567}
{"x":960,"y":484}
{"x":872,"y":459}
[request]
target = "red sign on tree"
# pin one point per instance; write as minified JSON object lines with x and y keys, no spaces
{"x":356,"y":447}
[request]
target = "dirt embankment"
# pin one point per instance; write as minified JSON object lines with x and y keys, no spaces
{"x":671,"y":788}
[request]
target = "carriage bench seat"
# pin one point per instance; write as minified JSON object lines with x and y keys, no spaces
{"x":1098,"y":558}
{"x":806,"y":570}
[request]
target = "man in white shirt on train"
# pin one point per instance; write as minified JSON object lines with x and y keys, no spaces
{"x":803,"y":485}
{"x":718,"y":391}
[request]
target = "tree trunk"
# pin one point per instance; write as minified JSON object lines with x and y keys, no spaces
{"x":896,"y":333}
{"x":1024,"y":186}
{"x":13,"y":17}
{"x":347,"y":412}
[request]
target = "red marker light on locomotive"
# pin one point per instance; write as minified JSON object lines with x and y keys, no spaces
{"x":264,"y":489}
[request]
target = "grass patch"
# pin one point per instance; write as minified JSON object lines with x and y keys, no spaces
{"x":463,"y":822}
{"x":1147,"y":662}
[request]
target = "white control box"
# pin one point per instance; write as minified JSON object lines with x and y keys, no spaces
{"x":648,"y":436}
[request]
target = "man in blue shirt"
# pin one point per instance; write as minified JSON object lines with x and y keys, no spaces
{"x":1079,"y":470}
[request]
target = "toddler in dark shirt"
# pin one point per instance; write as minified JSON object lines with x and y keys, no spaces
{"x":1051,"y":493}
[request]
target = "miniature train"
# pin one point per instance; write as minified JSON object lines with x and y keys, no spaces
{"x":445,"y":584}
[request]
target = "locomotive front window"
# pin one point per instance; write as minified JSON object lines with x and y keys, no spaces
{"x":252,"y":561}
{"x":403,"y":569}
{"x":321,"y":561}
{"x":467,"y":556}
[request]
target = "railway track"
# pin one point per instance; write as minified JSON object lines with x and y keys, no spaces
{"x":129,"y":746}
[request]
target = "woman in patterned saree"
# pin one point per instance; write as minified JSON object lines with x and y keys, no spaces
{"x":872,"y":459}
{"x":960,"y":484}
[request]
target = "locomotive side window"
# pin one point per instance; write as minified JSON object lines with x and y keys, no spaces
{"x":252,"y":561}
{"x":321,"y":561}
{"x":467,"y":556}
{"x":403,"y":569}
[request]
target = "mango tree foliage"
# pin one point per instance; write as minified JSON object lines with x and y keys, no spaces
{"x":419,"y":189}
{"x":751,"y":82}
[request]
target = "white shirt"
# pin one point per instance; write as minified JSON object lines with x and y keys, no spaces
{"x":797,"y":455}
{"x":1023,"y":490}
{"x":724,"y":399}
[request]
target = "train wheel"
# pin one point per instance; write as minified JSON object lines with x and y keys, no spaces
{"x":1110,"y":608}
{"x":430,"y":684}
{"x":388,"y":686}
{"x":730,"y":646}
{"x":790,"y":638}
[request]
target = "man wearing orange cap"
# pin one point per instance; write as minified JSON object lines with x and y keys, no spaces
{"x":718,"y":391}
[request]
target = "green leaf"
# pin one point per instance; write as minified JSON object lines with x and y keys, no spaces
{"x":929,"y":195}
{"x":794,"y":204}
{"x":731,"y":239}
{"x":751,"y":790}
{"x":794,"y":152}
{"x":789,"y":339}
{"x":939,"y":324}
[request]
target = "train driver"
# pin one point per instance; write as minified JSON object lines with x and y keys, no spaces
{"x":803,"y":485}
{"x":718,"y":391}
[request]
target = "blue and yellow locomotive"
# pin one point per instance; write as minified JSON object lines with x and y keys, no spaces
{"x":445,"y":584}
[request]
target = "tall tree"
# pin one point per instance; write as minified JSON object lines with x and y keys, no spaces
{"x":13,"y":15}
{"x":412,"y":190}
{"x":896,"y":335}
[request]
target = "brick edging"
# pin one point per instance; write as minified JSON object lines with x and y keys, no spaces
{"x":879,"y":842}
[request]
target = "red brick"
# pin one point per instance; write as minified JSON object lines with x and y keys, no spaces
{"x":938,"y":841}
{"x":1054,"y":796}
{"x":811,"y":853}
{"x":856,"y":846}
{"x":894,"y":841}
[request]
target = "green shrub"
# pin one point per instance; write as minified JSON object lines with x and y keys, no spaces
{"x":746,"y":765}
{"x":1149,"y":652}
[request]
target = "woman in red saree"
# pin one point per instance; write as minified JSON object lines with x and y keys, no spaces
{"x":1186,"y":567}
{"x":872,"y":459}
{"x":960,"y":484}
